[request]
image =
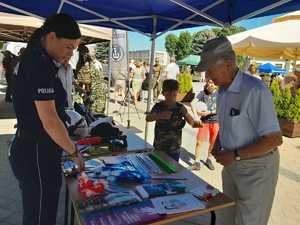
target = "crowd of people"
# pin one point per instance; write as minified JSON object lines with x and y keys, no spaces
{"x":84,"y":83}
{"x":10,"y":63}
{"x":236,"y":114}
{"x":140,"y":81}
{"x":290,"y":80}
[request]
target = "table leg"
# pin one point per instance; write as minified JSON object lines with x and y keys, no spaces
{"x":72,"y":214}
{"x":66,"y":219}
{"x":213,"y":218}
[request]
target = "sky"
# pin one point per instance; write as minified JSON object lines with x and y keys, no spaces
{"x":137,"y":41}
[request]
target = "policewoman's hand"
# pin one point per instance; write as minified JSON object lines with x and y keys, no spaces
{"x":78,"y":160}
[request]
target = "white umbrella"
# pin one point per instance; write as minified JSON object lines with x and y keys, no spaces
{"x":279,"y":40}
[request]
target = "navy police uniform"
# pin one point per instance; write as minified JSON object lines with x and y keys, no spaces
{"x":34,"y":157}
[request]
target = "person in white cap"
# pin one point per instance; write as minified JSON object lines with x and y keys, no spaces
{"x":248,"y":137}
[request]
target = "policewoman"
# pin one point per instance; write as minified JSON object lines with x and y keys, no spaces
{"x":39,"y":103}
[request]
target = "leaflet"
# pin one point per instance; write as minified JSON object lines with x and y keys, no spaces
{"x":177,"y":204}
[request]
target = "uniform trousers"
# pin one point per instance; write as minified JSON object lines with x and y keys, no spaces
{"x":35,"y":163}
{"x":251,"y":184}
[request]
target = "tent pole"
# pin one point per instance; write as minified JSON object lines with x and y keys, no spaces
{"x":262,"y":10}
{"x":294,"y":64}
{"x":20,"y":10}
{"x":287,"y":65}
{"x":152,"y":54}
{"x":62,"y":2}
{"x":109,"y":78}
{"x":247,"y":63}
{"x":128,"y":83}
{"x":104,"y":17}
{"x":198,"y":12}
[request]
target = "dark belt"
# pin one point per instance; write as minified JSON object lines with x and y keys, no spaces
{"x":268,"y":153}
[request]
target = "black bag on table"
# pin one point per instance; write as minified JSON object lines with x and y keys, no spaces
{"x":109,"y":134}
{"x":105,"y":130}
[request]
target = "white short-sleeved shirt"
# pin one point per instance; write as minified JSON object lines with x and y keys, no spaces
{"x":98,"y":65}
{"x":172,"y":71}
{"x":67,"y":78}
{"x":245,"y":112}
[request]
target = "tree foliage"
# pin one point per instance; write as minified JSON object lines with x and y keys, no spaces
{"x":1,"y":44}
{"x":184,"y":45}
{"x":185,"y":80}
{"x":188,"y":43}
{"x":171,"y":44}
{"x":102,"y":51}
{"x":241,"y":61}
{"x":295,"y":108}
{"x":226,"y":31}
{"x":286,"y":105}
{"x":199,"y":39}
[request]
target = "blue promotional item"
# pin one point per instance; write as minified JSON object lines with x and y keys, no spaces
{"x":161,"y":189}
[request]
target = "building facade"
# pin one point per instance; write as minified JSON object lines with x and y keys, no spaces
{"x":144,"y":56}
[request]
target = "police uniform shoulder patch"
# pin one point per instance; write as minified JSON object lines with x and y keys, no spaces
{"x":45,"y":90}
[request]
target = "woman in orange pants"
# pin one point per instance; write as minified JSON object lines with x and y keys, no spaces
{"x":208,"y":99}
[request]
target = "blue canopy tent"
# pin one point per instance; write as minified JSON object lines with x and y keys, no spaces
{"x":270,"y":68}
{"x":152,"y":18}
{"x":139,"y":15}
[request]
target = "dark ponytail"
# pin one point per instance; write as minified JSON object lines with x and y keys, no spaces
{"x":63,"y":25}
{"x":35,"y":37}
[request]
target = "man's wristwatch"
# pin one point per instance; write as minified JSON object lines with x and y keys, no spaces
{"x":237,"y":156}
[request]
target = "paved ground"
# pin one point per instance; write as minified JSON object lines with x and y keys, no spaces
{"x":286,"y":208}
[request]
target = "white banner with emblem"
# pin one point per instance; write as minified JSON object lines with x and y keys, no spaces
{"x":118,"y":60}
{"x":119,"y":53}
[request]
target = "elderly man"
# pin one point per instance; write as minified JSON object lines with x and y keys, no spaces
{"x":248,"y":137}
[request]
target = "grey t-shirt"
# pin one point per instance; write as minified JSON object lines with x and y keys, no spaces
{"x":210,"y":101}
